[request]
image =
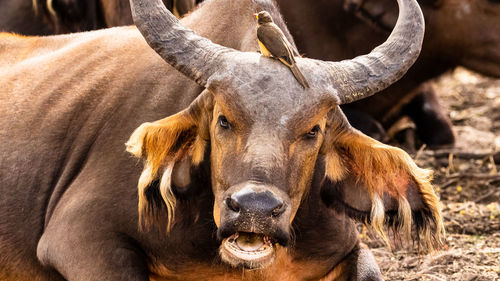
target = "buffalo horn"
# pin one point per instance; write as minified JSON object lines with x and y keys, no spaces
{"x":194,"y":56}
{"x":355,"y":79}
{"x":365,"y":75}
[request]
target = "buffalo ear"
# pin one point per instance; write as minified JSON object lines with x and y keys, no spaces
{"x":169,"y":147}
{"x":380,"y":184}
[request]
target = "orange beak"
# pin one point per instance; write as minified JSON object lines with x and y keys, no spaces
{"x":256,"y":15}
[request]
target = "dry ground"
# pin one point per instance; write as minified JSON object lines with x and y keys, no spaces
{"x":467,"y":179}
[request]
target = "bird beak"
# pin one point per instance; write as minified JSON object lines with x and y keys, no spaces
{"x":256,"y":15}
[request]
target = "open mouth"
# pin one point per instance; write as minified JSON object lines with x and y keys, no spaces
{"x":250,"y":250}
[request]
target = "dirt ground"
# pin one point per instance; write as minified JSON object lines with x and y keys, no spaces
{"x":467,"y":179}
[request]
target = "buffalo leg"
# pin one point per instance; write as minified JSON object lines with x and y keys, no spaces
{"x":433,"y":126}
{"x":359,"y":265}
{"x":89,"y":237}
{"x":81,"y":259}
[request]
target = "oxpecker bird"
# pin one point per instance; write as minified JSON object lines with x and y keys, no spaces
{"x":273,"y":43}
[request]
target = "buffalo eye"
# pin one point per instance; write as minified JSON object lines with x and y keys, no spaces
{"x":223,"y":122}
{"x":313,"y":133}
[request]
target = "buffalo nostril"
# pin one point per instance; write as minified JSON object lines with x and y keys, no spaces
{"x":233,"y":205}
{"x":278,"y":210}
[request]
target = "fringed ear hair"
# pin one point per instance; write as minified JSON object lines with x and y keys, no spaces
{"x":161,"y":144}
{"x":383,"y":186}
{"x":169,"y":147}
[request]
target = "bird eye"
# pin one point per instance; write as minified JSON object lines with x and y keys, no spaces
{"x":223,"y":122}
{"x":313,"y":132}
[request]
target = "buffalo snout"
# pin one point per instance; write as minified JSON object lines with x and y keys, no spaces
{"x":254,"y":218}
{"x":261,"y":204}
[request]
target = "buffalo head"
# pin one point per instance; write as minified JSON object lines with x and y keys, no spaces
{"x":266,"y":135}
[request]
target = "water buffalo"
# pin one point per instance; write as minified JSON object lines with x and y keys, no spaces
{"x":457,"y":33}
{"x":251,"y":177}
{"x":45,"y":17}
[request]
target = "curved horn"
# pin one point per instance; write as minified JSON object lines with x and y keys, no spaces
{"x":194,"y":56}
{"x":365,"y":75}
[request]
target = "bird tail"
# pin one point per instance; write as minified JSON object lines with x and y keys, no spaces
{"x":298,"y":75}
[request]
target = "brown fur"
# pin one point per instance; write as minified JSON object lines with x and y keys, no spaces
{"x":336,"y":273}
{"x":384,"y":169}
{"x":160,"y":145}
{"x":285,"y":268}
